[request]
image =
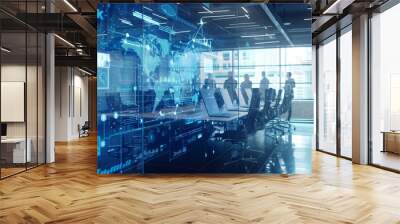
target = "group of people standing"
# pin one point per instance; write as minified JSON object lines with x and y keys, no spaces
{"x":231,"y":84}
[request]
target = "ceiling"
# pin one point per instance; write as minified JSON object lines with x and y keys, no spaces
{"x":225,"y":25}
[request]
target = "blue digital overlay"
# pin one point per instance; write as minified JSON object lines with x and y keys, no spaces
{"x":204,"y":88}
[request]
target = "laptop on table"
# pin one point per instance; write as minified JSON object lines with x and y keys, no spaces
{"x":211,"y":105}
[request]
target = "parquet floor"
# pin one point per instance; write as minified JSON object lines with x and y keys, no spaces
{"x":69,"y":191}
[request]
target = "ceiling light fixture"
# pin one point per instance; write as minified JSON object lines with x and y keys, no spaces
{"x":70,"y":5}
{"x":337,"y":7}
{"x":268,"y":42}
{"x":84,"y":71}
{"x":287,"y":24}
{"x":235,"y":17}
{"x":220,"y":16}
{"x":183,"y":31}
{"x":64,"y":40}
{"x":244,"y":9}
{"x":145,"y":18}
{"x":148,"y":8}
{"x":214,"y":11}
{"x":125,"y":21}
{"x":261,"y":35}
{"x":5,"y":50}
{"x":205,"y":8}
{"x":243,"y":26}
{"x":236,"y":24}
{"x":161,"y":17}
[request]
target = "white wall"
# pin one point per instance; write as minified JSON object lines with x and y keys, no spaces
{"x":71,"y":94}
{"x":33,"y":127}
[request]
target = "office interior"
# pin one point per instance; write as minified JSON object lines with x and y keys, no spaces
{"x":344,"y":118}
{"x":26,"y":61}
{"x":335,"y":94}
{"x":204,"y":96}
{"x":327,"y":94}
{"x":22,"y":97}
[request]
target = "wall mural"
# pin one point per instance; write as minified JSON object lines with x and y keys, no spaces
{"x":204,"y":88}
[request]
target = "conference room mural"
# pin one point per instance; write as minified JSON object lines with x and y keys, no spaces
{"x":204,"y":88}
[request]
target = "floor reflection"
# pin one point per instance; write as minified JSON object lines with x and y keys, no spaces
{"x":386,"y":159}
{"x":266,"y":151}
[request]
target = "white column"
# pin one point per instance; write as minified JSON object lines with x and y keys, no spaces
{"x":360,"y":90}
{"x":50,"y":99}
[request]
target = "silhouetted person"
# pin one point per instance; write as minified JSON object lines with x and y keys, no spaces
{"x":290,"y":84}
{"x":246,"y":84}
{"x":209,"y":82}
{"x":264,"y":85}
{"x":231,"y":85}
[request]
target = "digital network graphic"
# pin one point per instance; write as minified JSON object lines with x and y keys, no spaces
{"x":181,"y":88}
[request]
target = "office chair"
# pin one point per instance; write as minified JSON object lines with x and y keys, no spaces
{"x":276,"y":125}
{"x":219,"y":98}
{"x":84,"y":130}
{"x":268,"y":110}
{"x":146,"y":100}
{"x":239,"y":136}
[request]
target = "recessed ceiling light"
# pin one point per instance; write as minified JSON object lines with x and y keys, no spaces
{"x":64,"y":40}
{"x":238,"y":24}
{"x":147,"y":8}
{"x":269,"y":42}
{"x":213,"y":11}
{"x":84,"y":71}
{"x":182,"y":31}
{"x":5,"y":50}
{"x":242,"y":26}
{"x":287,"y":24}
{"x":259,"y":35}
{"x":219,"y":16}
{"x":235,"y":17}
{"x":70,"y":5}
{"x":161,"y":17}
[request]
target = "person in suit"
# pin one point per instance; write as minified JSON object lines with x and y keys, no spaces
{"x":231,"y":85}
{"x":209,"y":82}
{"x":290,"y":84}
{"x":246,"y":84}
{"x":264,"y":85}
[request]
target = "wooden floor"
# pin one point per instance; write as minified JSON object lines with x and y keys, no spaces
{"x":69,"y":191}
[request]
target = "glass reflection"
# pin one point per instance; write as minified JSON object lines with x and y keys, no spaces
{"x":175,"y":94}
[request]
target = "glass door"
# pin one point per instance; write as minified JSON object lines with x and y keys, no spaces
{"x":346,"y":93}
{"x":327,"y":93}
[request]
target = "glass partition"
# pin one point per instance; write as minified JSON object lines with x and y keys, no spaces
{"x":203,"y":88}
{"x":327,"y":96}
{"x":346,"y":93}
{"x":13,"y":108}
{"x":22,"y":90}
{"x":385,"y":89}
